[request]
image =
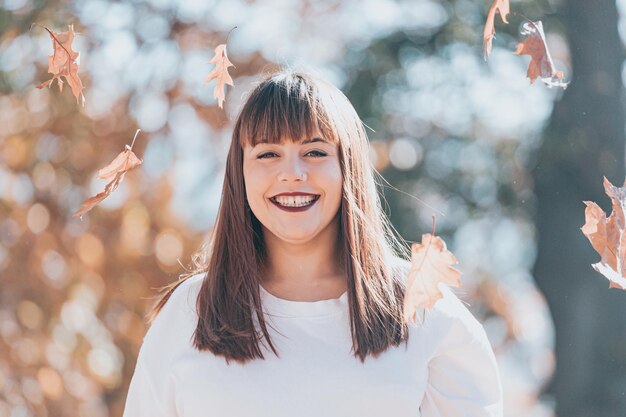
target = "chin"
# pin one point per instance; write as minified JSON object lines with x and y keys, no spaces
{"x":297,"y":239}
{"x":296,"y":236}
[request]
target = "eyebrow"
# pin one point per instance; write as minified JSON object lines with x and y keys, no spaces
{"x":302,"y":142}
{"x":311,"y":140}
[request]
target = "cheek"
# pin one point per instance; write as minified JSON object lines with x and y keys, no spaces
{"x":258,"y":183}
{"x":251,"y":182}
{"x":334,"y":181}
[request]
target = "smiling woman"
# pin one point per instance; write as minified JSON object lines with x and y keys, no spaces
{"x":296,"y":304}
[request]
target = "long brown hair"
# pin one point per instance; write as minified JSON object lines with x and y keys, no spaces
{"x":293,"y":105}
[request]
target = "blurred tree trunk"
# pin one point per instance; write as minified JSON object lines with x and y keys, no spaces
{"x":583,"y":142}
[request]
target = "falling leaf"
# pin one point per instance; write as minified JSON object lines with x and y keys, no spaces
{"x":220,"y":73}
{"x":114,"y":174}
{"x":498,"y":6}
{"x":541,"y":64}
{"x":431,"y":264}
{"x":63,"y":63}
{"x":607,"y":235}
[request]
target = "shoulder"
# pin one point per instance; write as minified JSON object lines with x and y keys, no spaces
{"x":182,"y":298}
{"x":451,"y":308}
{"x":449,"y":324}
{"x":448,"y":311}
{"x":172,"y":328}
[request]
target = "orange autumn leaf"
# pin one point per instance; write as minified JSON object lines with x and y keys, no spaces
{"x":220,"y":73}
{"x":607,"y":236}
{"x":498,"y":6}
{"x":114,"y":174}
{"x":431,"y":264}
{"x":541,"y":65}
{"x":62,"y":63}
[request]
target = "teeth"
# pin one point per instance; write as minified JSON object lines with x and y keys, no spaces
{"x":294,"y":201}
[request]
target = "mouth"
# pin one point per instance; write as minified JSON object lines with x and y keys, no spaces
{"x":295,"y":203}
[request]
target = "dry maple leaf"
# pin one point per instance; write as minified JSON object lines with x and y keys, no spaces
{"x":541,"y":64}
{"x":220,"y":73}
{"x":114,"y":174}
{"x":607,"y":235}
{"x":498,"y":6}
{"x":62,"y":63}
{"x":431,"y":264}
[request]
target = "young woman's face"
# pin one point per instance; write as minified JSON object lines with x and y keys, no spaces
{"x":294,"y":189}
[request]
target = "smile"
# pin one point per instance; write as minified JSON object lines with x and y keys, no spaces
{"x":294,"y":203}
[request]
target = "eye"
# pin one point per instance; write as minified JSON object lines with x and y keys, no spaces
{"x":316,"y":154}
{"x":266,"y":155}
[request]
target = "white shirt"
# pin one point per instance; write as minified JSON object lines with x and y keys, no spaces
{"x":448,"y":368}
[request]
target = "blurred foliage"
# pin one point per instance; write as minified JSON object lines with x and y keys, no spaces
{"x":583,"y":142}
{"x":452,"y":134}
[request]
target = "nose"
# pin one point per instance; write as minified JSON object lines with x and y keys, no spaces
{"x":292,"y":169}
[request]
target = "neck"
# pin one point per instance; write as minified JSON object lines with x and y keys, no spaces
{"x":305,"y":271}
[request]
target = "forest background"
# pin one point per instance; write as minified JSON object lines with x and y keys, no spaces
{"x":508,"y":163}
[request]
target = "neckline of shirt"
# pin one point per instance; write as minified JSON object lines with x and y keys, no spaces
{"x":276,"y":306}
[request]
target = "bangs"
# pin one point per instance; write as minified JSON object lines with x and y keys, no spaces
{"x":285,"y":107}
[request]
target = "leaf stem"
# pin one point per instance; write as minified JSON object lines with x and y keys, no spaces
{"x":524,"y":17}
{"x":134,"y":138}
{"x":229,"y":32}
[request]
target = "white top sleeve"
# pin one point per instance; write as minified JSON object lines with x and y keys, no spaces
{"x":152,"y":388}
{"x":143,"y":400}
{"x":463,"y":378}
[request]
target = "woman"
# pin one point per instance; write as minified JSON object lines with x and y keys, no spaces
{"x":296,"y":309}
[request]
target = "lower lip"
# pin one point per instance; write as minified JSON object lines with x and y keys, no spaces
{"x":295,"y":209}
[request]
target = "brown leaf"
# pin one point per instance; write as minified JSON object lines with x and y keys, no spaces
{"x":220,"y":73}
{"x":541,"y":64}
{"x":607,"y":235}
{"x":498,"y":6}
{"x":123,"y":162}
{"x":431,"y":264}
{"x":62,"y":63}
{"x":114,"y":174}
